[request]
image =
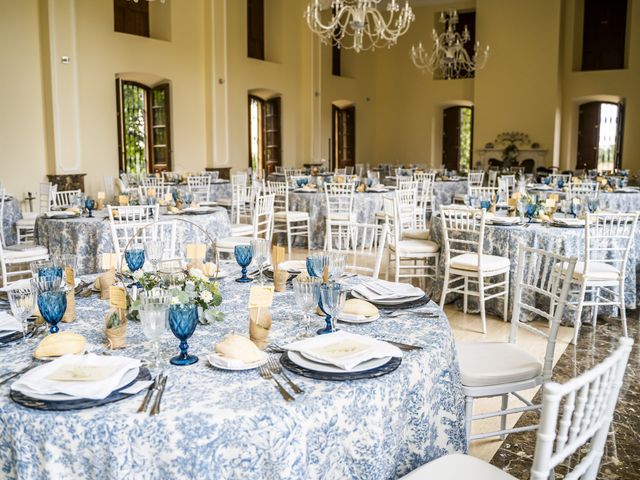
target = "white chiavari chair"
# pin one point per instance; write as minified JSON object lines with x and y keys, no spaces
{"x":492,"y":369}
{"x":466,"y":264}
{"x":285,"y":220}
{"x":157,"y":191}
{"x":425,"y":199}
{"x":126,"y":221}
{"x":484,"y":192}
{"x":506,"y":186}
{"x":492,"y":178}
{"x":66,"y":198}
{"x":576,"y":416}
{"x":367,"y":247}
{"x":152,"y":181}
{"x":200,"y":188}
{"x":339,"y":200}
{"x":582,"y":190}
{"x":411,"y":257}
{"x":262,"y":225}
{"x":600,"y":275}
{"x":26,"y":225}
{"x":475,"y":179}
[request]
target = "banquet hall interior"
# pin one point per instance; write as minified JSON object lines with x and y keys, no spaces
{"x":319,"y":239}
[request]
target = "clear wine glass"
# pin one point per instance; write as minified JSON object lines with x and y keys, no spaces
{"x":154,"y":320}
{"x":337,"y":264}
{"x":307,"y":292}
{"x":333,"y":297}
{"x":260,"y":255}
{"x":23,"y":302}
{"x":154,"y":250}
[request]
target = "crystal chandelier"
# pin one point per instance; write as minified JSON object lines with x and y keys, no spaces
{"x":359,"y":25}
{"x":449,"y":57}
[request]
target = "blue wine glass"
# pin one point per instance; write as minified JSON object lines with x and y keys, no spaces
{"x":546,"y":180}
{"x":188,"y":198}
{"x":175,"y":196}
{"x":52,"y":300}
{"x":134,"y":258}
{"x":183,"y":319}
{"x":560,"y":183}
{"x":316,"y":264}
{"x":485,"y":204}
{"x":244,"y":255}
{"x":593,"y":204}
{"x":90,"y":204}
{"x":42,"y":269}
{"x":333,"y":297}
{"x":532,"y":208}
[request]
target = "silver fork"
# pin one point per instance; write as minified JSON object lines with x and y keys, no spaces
{"x":266,"y":374}
{"x":277,"y":369}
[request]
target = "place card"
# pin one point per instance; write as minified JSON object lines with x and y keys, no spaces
{"x":117,"y":297}
{"x":196,"y":251}
{"x":549,"y":203}
{"x":261,"y":296}
{"x":69,"y":276}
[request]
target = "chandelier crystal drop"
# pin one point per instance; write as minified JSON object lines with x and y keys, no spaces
{"x":359,"y":24}
{"x":449,"y":58}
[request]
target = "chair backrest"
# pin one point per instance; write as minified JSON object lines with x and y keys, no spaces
{"x":364,"y":248}
{"x":608,"y":239}
{"x":339,"y":197}
{"x":407,"y":206}
{"x":200,"y":187}
{"x":239,"y":178}
{"x":66,"y":198}
{"x":46,"y":197}
{"x":584,"y":189}
{"x":398,"y":217}
{"x":463,"y":230}
{"x":263,"y":217}
{"x":167,"y":232}
{"x":152,"y":181}
{"x":578,"y":413}
{"x":542,"y":284}
{"x":425,"y":199}
{"x":340,"y":171}
{"x":158,"y":191}
{"x":280,"y":191}
{"x":475,"y":179}
{"x":483,"y":192}
{"x":493,"y":178}
{"x":133,"y":213}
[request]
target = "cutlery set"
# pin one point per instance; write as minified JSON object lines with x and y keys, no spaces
{"x":157,"y":388}
{"x":270,"y":370}
{"x":9,"y":375}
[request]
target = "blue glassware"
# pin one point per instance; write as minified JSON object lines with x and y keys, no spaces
{"x":593,"y":204}
{"x":546,"y":180}
{"x":532,"y":208}
{"x":52,"y":301}
{"x":188,"y":198}
{"x":244,"y":255}
{"x":50,"y":273}
{"x":560,"y":183}
{"x":134,"y":258}
{"x":485,"y":204}
{"x":316,"y":264}
{"x":90,"y":204}
{"x":333,"y":296}
{"x":175,"y":196}
{"x":183,"y":320}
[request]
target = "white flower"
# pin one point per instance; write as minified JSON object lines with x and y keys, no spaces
{"x":175,"y":300}
{"x":138,"y":274}
{"x":197,"y":274}
{"x":206,"y":296}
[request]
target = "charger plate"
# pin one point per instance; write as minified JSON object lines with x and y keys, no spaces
{"x":388,"y":367}
{"x":396,"y":306}
{"x":78,"y":404}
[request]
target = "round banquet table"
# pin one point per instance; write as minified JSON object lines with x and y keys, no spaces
{"x":11,"y":214}
{"x":89,"y":238}
{"x":503,"y":241}
{"x":625,"y":202}
{"x":233,"y":424}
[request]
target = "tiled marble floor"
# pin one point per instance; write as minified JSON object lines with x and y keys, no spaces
{"x":621,"y":459}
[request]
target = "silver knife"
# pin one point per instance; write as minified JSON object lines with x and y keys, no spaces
{"x":150,"y":390}
{"x":155,"y":409}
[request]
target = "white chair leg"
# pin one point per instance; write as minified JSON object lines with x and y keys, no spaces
{"x":578,"y":319}
{"x":397,"y":279}
{"x":503,"y":418}
{"x":308,"y":236}
{"x":468,"y":417}
{"x":289,"y":241}
{"x":465,"y":297}
{"x":505,"y":314}
{"x":445,"y":285}
{"x":596,"y":296}
{"x":483,"y":315}
{"x":623,"y":309}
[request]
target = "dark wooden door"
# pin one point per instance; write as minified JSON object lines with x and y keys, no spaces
{"x":588,"y":129}
{"x":451,"y":137}
{"x":255,"y":29}
{"x":272,"y":135}
{"x":344,"y":136}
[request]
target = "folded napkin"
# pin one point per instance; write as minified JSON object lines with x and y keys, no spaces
{"x":376,"y":290}
{"x":8,"y":323}
{"x":502,"y":219}
{"x":293,"y":266}
{"x":59,"y":213}
{"x":343,"y":349}
{"x":218,"y":360}
{"x":569,"y":221}
{"x":84,"y":376}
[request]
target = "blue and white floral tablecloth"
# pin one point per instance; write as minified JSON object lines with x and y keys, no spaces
{"x":618,"y":201}
{"x":89,"y":238}
{"x":11,"y":214}
{"x":218,"y":424}
{"x":503,"y":241}
{"x":443,"y":192}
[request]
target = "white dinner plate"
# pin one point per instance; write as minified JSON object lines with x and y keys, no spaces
{"x":304,"y":362}
{"x":294,"y":266}
{"x":395,"y":301}
{"x":364,"y":319}
{"x":213,"y":360}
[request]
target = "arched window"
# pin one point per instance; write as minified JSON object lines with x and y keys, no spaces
{"x":457,"y":135}
{"x":600,"y":136}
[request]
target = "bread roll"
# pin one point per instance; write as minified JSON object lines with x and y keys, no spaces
{"x":237,"y":347}
{"x":355,"y":306}
{"x":58,"y":344}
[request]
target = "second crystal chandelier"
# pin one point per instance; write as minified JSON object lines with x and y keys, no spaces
{"x":359,"y":25}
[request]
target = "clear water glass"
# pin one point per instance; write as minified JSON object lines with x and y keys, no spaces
{"x":154,"y":250}
{"x":593,"y":203}
{"x":154,"y":321}
{"x":307,"y":292}
{"x":260,"y":255}
{"x":23,"y":302}
{"x":337,"y":264}
{"x":315,"y":264}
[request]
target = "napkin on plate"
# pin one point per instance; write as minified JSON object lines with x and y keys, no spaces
{"x":569,"y":221}
{"x":376,"y":290}
{"x":8,"y":323}
{"x":502,"y":219}
{"x":343,"y":349}
{"x":96,"y":376}
{"x":293,"y":266}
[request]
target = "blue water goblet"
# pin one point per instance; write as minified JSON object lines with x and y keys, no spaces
{"x":546,"y":180}
{"x":532,"y":208}
{"x":244,"y":255}
{"x":593,"y":204}
{"x":52,"y":300}
{"x":333,"y":297}
{"x":316,"y":264}
{"x":134,"y":256}
{"x":183,"y":319}
{"x":188,"y":199}
{"x":90,"y":204}
{"x":485,"y":204}
{"x":46,"y":269}
{"x":560,"y":183}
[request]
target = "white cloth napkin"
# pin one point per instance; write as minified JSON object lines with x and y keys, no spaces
{"x":38,"y":381}
{"x":377,"y":290}
{"x":568,"y":221}
{"x":343,"y":349}
{"x":502,"y":219}
{"x":218,"y":360}
{"x":9,"y":323}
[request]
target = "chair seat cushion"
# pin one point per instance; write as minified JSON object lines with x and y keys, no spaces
{"x":415,"y":234}
{"x":292,"y":216}
{"x":459,"y":197}
{"x":469,"y":261}
{"x":457,"y":466}
{"x":597,"y":271}
{"x":341,"y":217}
{"x":25,"y":255}
{"x":495,"y":363}
{"x":228,"y":243}
{"x":241,"y":229}
{"x":27,"y":220}
{"x":415,"y":246}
